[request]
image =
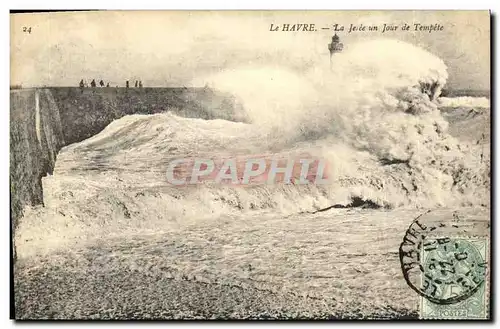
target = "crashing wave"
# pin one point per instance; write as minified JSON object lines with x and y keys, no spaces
{"x":375,"y":120}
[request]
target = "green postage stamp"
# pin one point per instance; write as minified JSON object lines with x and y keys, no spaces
{"x":454,"y":278}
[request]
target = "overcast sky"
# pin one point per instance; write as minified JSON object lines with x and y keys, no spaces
{"x":174,"y":48}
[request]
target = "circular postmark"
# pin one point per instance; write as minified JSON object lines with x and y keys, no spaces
{"x":439,"y":266}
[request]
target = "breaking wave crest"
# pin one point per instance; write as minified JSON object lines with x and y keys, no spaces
{"x":464,"y":101}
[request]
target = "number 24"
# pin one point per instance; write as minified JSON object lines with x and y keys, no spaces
{"x":27,"y":29}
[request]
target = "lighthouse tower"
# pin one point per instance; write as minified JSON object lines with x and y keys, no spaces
{"x":335,"y":47}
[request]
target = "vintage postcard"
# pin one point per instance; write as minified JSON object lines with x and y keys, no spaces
{"x":324,"y":165}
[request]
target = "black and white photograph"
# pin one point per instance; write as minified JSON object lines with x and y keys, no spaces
{"x":250,"y":165}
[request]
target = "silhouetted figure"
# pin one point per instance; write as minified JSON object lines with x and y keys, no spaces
{"x":107,"y":86}
{"x":92,"y":84}
{"x":126,"y":84}
{"x":136,"y":83}
{"x":101,"y":83}
{"x":140,"y":84}
{"x":82,"y":84}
